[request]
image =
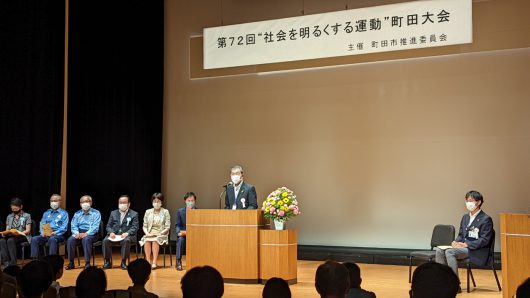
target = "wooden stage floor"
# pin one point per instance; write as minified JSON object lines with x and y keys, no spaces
{"x":387,"y":281}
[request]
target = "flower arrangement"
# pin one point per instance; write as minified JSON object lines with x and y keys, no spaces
{"x":280,"y":205}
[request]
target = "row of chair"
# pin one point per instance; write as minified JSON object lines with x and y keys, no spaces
{"x":444,"y":235}
{"x":96,"y":244}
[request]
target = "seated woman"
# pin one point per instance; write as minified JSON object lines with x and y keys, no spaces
{"x":21,"y":222}
{"x":156,"y":228}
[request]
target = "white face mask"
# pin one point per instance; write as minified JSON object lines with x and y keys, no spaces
{"x":235,"y":179}
{"x":85,"y":206}
{"x":471,"y":206}
{"x":54,"y":205}
{"x":157,"y":205}
{"x":190,"y":204}
{"x":123,"y":207}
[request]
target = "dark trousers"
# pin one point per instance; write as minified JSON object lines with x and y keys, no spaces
{"x":8,"y":248}
{"x":53,"y":244}
{"x":181,"y":246}
{"x":125,"y":247}
{"x":87,"y":247}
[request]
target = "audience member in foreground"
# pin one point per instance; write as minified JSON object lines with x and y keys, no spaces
{"x":355,"y":283}
{"x":57,"y":264}
{"x":12,"y":270}
{"x":523,"y":291}
{"x":276,"y":288}
{"x":34,"y":279}
{"x":434,"y":280}
{"x":91,"y":283}
{"x":139,"y":271}
{"x":332,"y":280}
{"x":202,"y":282}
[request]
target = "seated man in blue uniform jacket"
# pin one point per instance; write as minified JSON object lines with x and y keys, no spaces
{"x":474,"y":236}
{"x":240,"y":194}
{"x":58,"y":219}
{"x":84,"y":228}
{"x":190,"y":199}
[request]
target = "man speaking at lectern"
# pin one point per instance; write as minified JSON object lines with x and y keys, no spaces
{"x":239,"y":194}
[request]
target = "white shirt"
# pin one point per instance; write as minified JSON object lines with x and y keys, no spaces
{"x":472,"y":217}
{"x":122,"y":215}
{"x":236,"y":192}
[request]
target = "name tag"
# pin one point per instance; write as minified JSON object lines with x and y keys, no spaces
{"x":473,"y":233}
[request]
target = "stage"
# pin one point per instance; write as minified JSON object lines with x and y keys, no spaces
{"x":387,"y":281}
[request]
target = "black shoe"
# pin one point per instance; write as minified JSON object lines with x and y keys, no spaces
{"x":107,"y":264}
{"x":87,"y":265}
{"x":459,"y":290}
{"x":70,"y":266}
{"x":179,"y":265}
{"x":123,"y":265}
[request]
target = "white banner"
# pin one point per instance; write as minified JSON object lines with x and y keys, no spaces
{"x":403,"y":26}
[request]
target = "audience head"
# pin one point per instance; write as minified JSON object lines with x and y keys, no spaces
{"x":523,"y":291}
{"x":57,"y":263}
{"x":85,"y":202}
{"x":139,"y":271}
{"x":157,"y":199}
{"x":189,"y":199}
{"x":354,"y":274}
{"x":276,"y":288}
{"x":332,"y":279}
{"x":91,"y":282}
{"x":433,"y":280}
{"x":12,"y":270}
{"x":202,"y":282}
{"x":16,"y":205}
{"x":35,"y":278}
{"x":55,"y":201}
{"x":474,"y":200}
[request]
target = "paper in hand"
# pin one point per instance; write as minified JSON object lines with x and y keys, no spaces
{"x":47,"y":230}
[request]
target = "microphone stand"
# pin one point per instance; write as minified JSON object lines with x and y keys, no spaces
{"x":221,"y":196}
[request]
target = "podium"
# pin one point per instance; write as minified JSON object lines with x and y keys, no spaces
{"x":227,"y":240}
{"x":278,"y":255}
{"x":515,"y":248}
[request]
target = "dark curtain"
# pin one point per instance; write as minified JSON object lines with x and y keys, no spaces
{"x":31,"y":102}
{"x":115,"y":85}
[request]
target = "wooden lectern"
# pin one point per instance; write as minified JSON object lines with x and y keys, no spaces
{"x":227,"y":240}
{"x":278,"y":255}
{"x":515,"y":251}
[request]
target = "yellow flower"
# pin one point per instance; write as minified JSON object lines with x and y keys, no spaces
{"x":284,"y":194}
{"x":286,"y":200}
{"x":267,"y":209}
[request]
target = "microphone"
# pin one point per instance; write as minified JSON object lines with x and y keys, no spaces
{"x":243,"y":202}
{"x":226,"y":185}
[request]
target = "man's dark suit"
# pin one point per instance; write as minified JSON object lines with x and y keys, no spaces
{"x":130,"y":225}
{"x":478,"y":247}
{"x":246,"y":191}
{"x":180,"y":226}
